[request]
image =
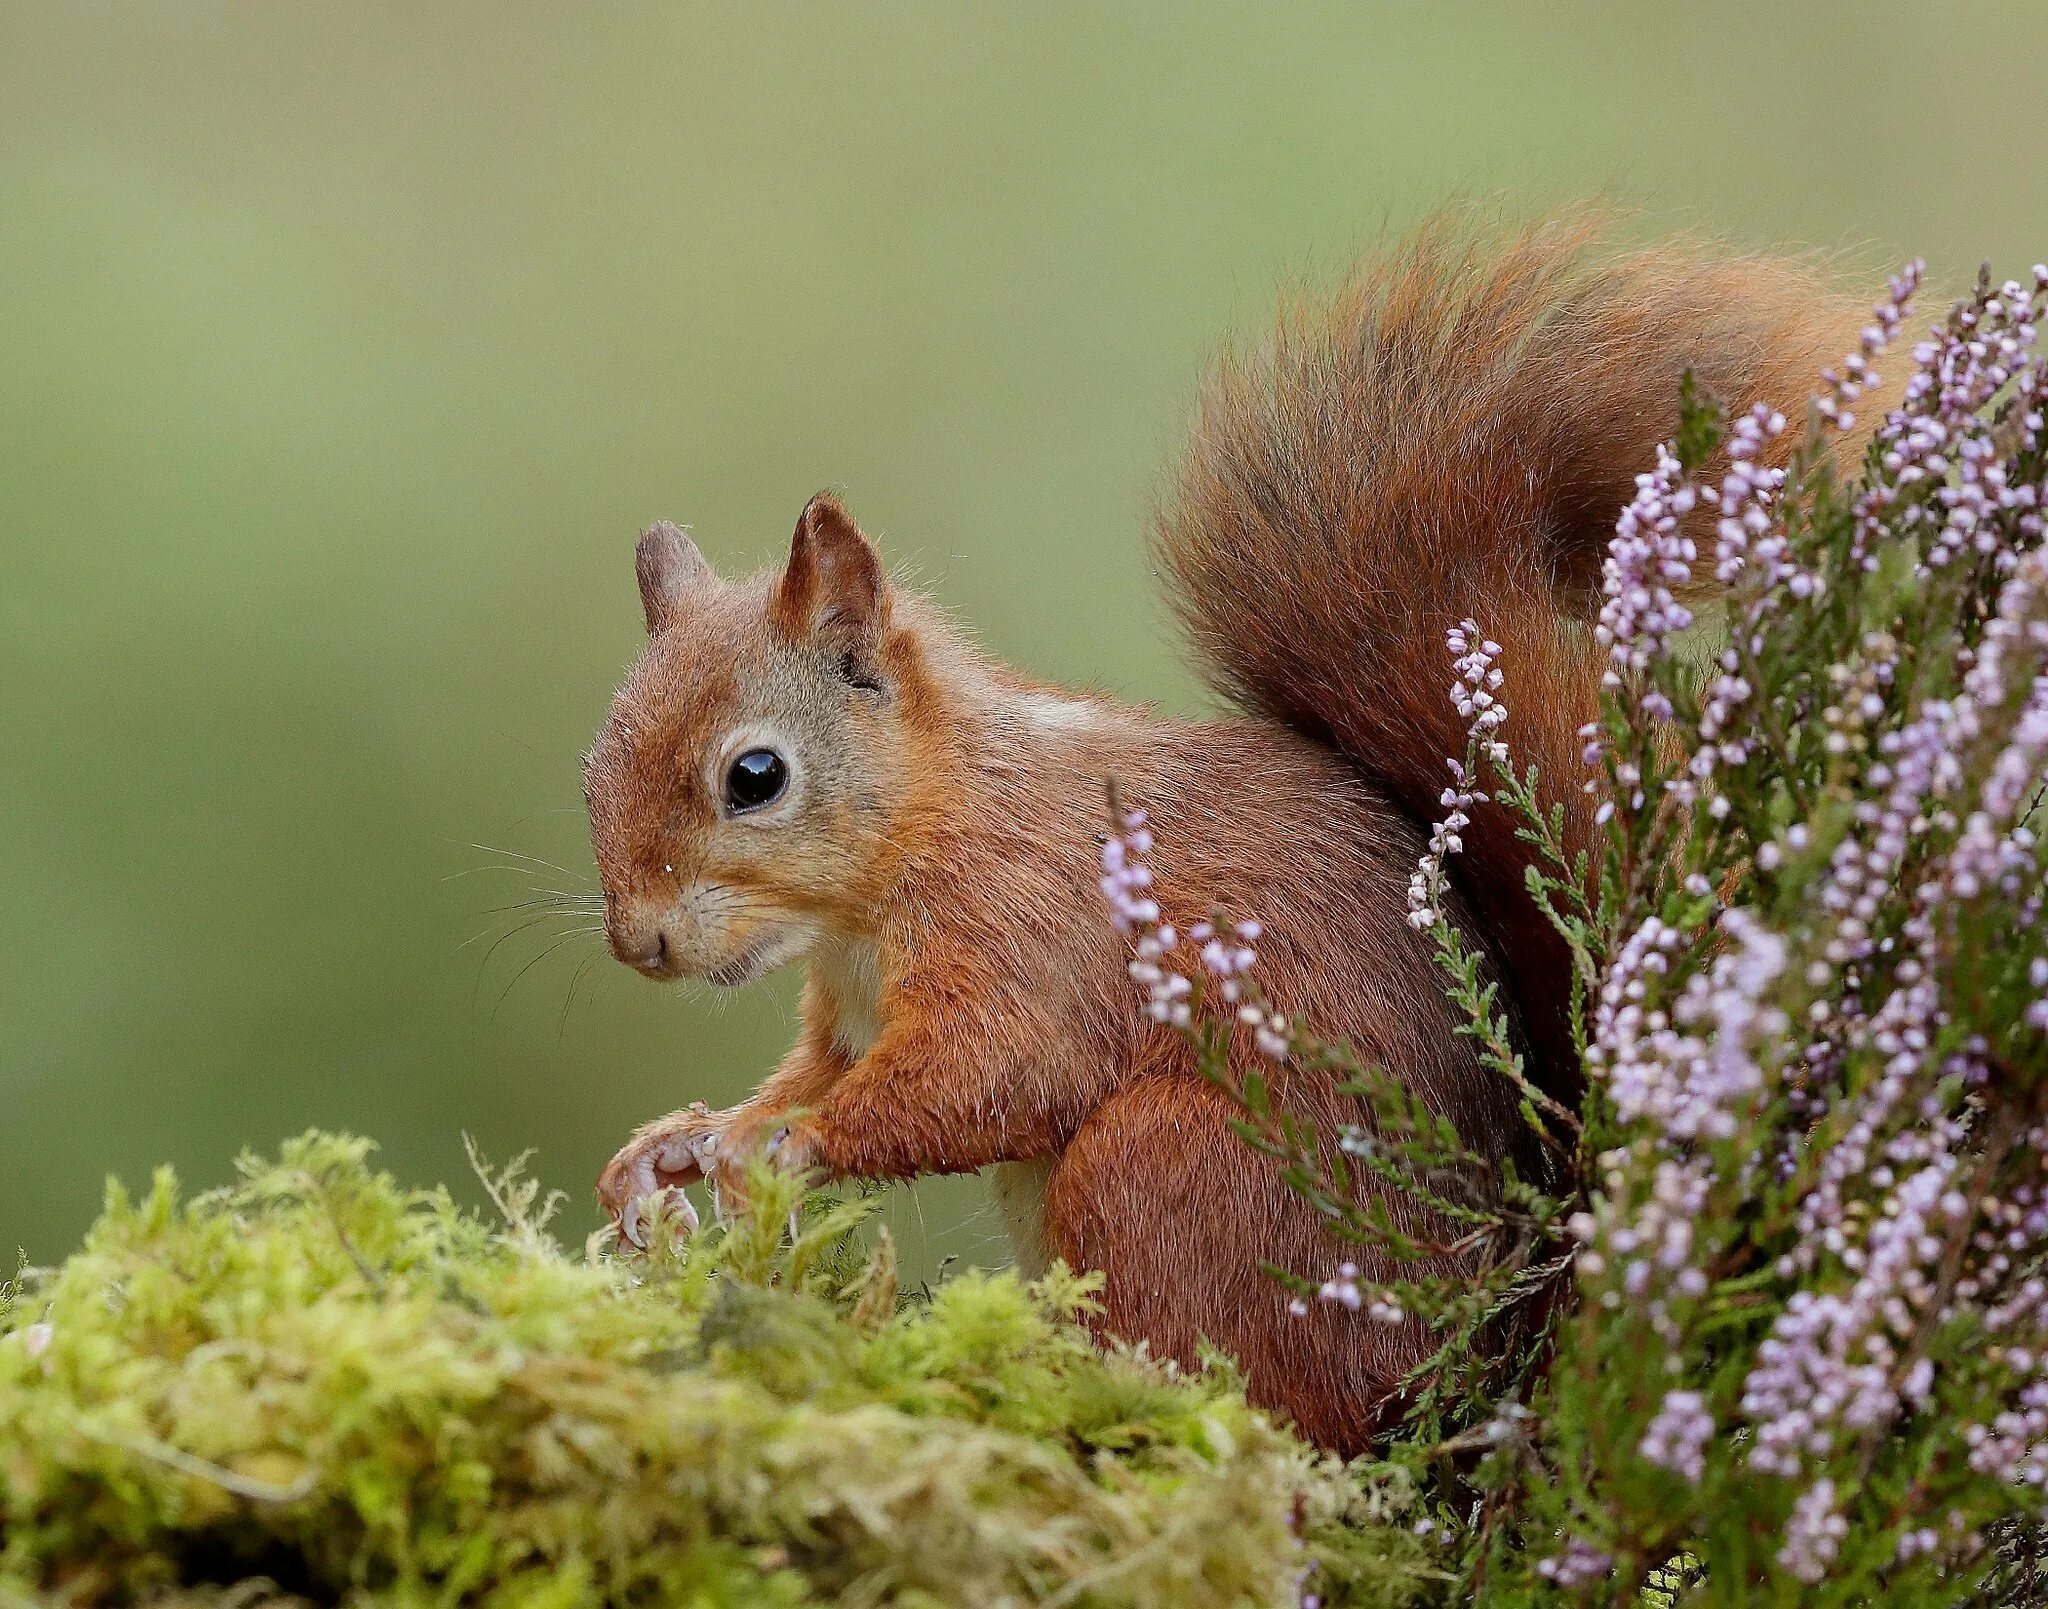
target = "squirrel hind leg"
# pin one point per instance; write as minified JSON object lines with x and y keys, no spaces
{"x":1177,"y":1212}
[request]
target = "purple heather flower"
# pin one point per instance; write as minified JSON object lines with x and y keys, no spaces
{"x":1580,"y":1565}
{"x":1475,"y":696}
{"x":1649,"y":557}
{"x":1677,"y":1437}
{"x":1813,"y":1535}
{"x":1126,"y":883}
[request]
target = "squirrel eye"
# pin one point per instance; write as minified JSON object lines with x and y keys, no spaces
{"x":755,"y":779}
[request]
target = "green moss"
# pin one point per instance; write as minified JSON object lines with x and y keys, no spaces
{"x":366,"y":1395}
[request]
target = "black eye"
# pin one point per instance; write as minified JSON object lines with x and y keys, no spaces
{"x":755,"y":779}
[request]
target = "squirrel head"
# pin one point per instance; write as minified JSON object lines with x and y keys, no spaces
{"x":742,"y":788}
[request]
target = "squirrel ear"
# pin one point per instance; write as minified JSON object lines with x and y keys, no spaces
{"x":670,"y":567}
{"x":833,"y":591}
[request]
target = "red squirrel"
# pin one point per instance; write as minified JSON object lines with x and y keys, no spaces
{"x":813,"y":765}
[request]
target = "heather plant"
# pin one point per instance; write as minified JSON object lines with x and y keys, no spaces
{"x":1771,"y":1324}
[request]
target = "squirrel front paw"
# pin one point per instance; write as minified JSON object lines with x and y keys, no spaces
{"x":660,"y":1159}
{"x":698,"y":1143}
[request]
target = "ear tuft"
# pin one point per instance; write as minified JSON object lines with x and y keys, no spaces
{"x":670,"y":567}
{"x":833,"y":592}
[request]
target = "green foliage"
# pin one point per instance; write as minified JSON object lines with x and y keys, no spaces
{"x":1781,"y":1306}
{"x":365,"y":1395}
{"x":1816,"y":1014}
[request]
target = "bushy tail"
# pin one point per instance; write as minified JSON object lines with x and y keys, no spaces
{"x":1454,"y":433}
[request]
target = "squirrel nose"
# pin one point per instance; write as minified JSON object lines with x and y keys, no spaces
{"x":645,"y":949}
{"x":648,"y":957}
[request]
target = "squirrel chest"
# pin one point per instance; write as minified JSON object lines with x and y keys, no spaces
{"x":849,"y":972}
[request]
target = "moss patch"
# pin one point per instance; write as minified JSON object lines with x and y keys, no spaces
{"x":356,"y":1393}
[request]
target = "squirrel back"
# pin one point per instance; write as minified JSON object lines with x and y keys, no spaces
{"x":1453,"y":433}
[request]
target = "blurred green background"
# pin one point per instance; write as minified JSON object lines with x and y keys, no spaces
{"x":347,"y":348}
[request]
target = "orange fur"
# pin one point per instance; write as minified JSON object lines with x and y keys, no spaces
{"x":1452,"y":433}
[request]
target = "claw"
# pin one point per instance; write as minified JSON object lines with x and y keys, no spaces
{"x":659,"y":1163}
{"x":633,"y":1221}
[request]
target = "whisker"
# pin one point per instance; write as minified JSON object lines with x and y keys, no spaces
{"x":516,"y":928}
{"x":535,"y":860}
{"x":483,"y":967}
{"x":549,"y":902}
{"x":524,"y":871}
{"x":497,"y":937}
{"x":566,"y":938}
{"x":590,"y":894}
{"x":576,"y":982}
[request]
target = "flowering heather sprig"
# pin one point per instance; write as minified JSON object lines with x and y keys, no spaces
{"x":1223,"y":952}
{"x":2013,"y":1448}
{"x":1813,"y":1535}
{"x":1690,"y":1076}
{"x":1689,"y":1069}
{"x":1677,"y":1438}
{"x":1649,"y":557}
{"x":1426,"y":883}
{"x":1835,"y":1363}
{"x":1126,"y":879}
{"x":1995,"y":847}
{"x":1841,"y":388}
{"x":1474,"y":695}
{"x":1746,"y":498}
{"x":1272,"y":1033}
{"x":1900,"y":1040}
{"x":1227,"y":955}
{"x":1924,"y":770}
{"x":1127,"y":885}
{"x":1756,"y":558}
{"x":1944,"y":477}
{"x":1343,"y":1290}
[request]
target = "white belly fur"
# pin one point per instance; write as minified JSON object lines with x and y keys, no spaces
{"x":1019,"y":1189}
{"x":850,"y":971}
